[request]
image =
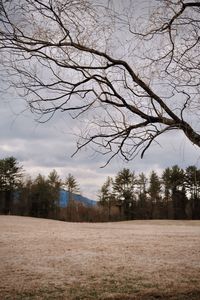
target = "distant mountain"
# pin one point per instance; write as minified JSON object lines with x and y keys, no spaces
{"x":64,"y":199}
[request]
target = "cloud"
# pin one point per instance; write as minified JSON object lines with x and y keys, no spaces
{"x":43,"y":147}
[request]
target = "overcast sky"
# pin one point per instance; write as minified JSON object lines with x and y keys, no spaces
{"x":40,"y":148}
{"x":43,"y":147}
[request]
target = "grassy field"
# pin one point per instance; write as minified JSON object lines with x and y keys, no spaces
{"x":46,"y":259}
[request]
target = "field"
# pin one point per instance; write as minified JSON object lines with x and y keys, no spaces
{"x":46,"y":259}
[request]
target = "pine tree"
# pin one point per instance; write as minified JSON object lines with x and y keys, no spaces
{"x":142,"y":203}
{"x":71,"y":184}
{"x":125,"y":184}
{"x":107,"y":196}
{"x":192,"y":182}
{"x":10,"y":177}
{"x":54,"y":183}
{"x":154,"y":193}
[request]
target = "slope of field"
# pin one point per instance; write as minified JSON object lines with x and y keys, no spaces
{"x":46,"y":259}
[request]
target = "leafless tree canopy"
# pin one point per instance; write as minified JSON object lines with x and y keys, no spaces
{"x":130,"y":72}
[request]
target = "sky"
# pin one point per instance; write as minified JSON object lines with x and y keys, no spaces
{"x":40,"y":148}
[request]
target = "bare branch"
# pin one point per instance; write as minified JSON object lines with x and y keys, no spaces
{"x":130,"y":87}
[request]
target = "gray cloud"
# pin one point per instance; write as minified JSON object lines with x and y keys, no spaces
{"x":43,"y":147}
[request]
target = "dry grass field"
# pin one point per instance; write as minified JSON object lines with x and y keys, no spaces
{"x":46,"y":259}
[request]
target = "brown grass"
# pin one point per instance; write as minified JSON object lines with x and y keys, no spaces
{"x":46,"y":259}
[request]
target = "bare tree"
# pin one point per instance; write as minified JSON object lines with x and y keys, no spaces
{"x":130,"y":79}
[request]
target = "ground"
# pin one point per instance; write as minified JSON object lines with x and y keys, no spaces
{"x":46,"y":259}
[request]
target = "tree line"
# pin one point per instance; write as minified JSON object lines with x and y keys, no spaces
{"x":39,"y":197}
{"x":173,"y":195}
{"x":137,"y":65}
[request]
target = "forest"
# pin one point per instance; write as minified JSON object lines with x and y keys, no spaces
{"x":175,"y":194}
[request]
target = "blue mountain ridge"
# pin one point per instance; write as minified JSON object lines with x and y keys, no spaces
{"x":64,"y":199}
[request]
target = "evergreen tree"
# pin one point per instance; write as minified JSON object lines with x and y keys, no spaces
{"x":72,"y":187}
{"x":166,"y":179}
{"x":167,"y":199}
{"x":178,"y":192}
{"x":106,"y":192}
{"x":54,"y":179}
{"x":23,"y":206}
{"x":124,"y":187}
{"x":154,"y":187}
{"x":174,"y":182}
{"x":54,"y":182}
{"x":10,"y":177}
{"x":42,"y":199}
{"x":142,"y":183}
{"x":71,"y":184}
{"x":106,"y":196}
{"x":142,"y":203}
{"x":154,"y":193}
{"x":192,"y":182}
